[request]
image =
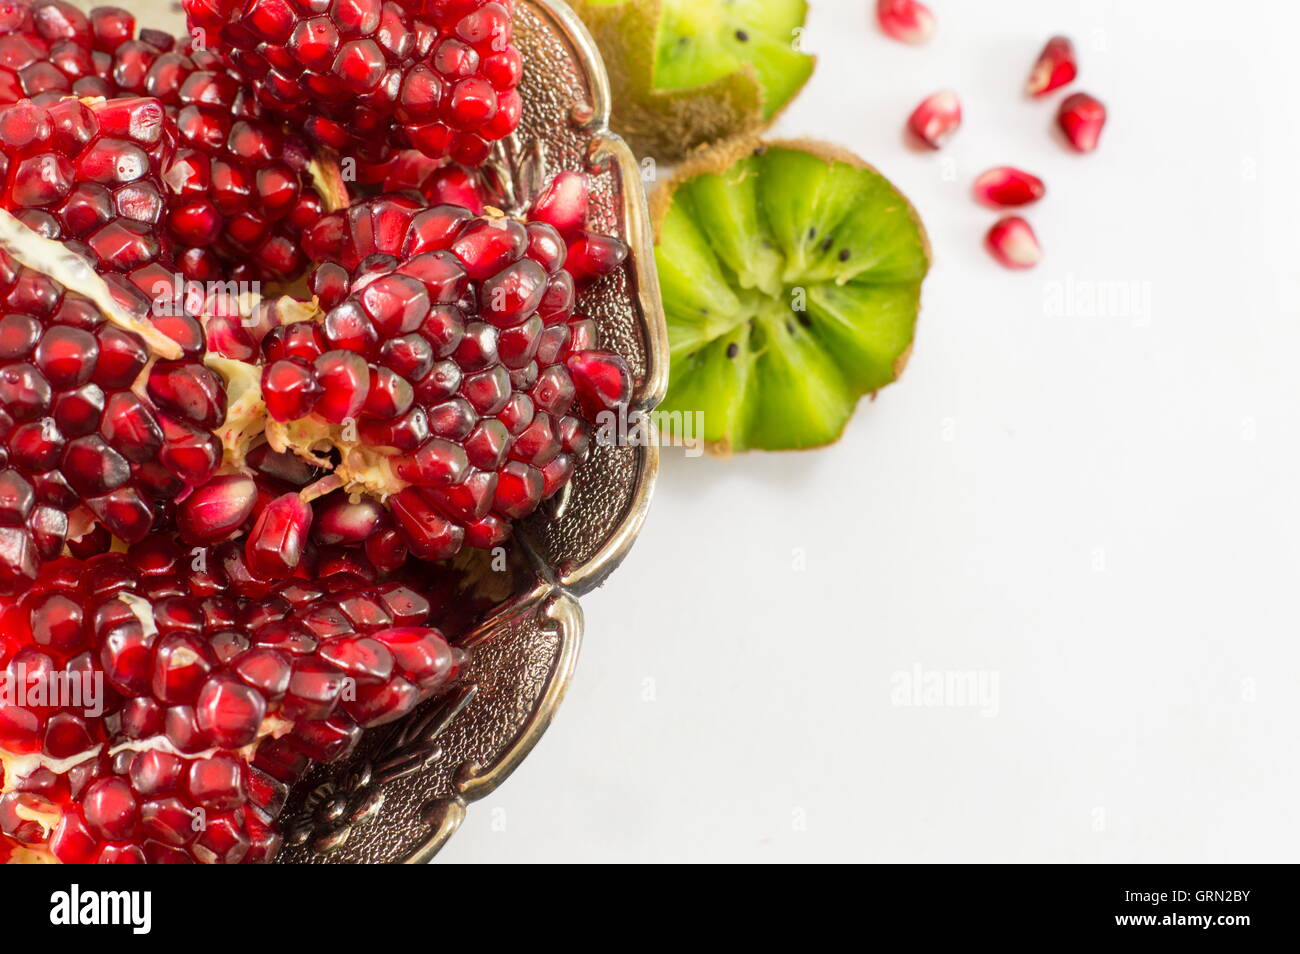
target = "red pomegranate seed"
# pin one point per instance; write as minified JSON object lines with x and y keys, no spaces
{"x":229,"y":711}
{"x":290,"y":388}
{"x":905,"y":20}
{"x":513,"y":293}
{"x":1081,"y":118}
{"x":345,"y":380}
{"x":275,"y":545}
{"x":488,"y":245}
{"x":1055,"y":67}
{"x":590,"y":256}
{"x":1008,"y":186}
{"x":216,"y":783}
{"x":110,"y":808}
{"x":340,"y":520}
{"x":216,"y":510}
{"x":602,"y":380}
{"x":429,"y":535}
{"x":181,"y":663}
{"x":936,"y":119}
{"x":314,"y":690}
{"x":1012,"y":242}
{"x":387,"y":549}
{"x":519,"y":490}
{"x":422,"y":653}
{"x":563,"y":203}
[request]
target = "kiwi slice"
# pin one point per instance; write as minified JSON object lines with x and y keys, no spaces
{"x":791,"y":279}
{"x":686,"y":72}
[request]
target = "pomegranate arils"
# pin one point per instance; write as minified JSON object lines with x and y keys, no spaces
{"x":907,"y":21}
{"x":216,"y":510}
{"x":163,"y":796}
{"x":1055,"y":67}
{"x":118,"y":148}
{"x":602,"y":380}
{"x":1081,"y":118}
{"x":1012,"y":242}
{"x":291,"y":389}
{"x":1008,"y":186}
{"x":563,"y":204}
{"x":275,"y":544}
{"x":372,"y":78}
{"x":591,"y":256}
{"x":344,"y":380}
{"x":229,"y":711}
{"x":936,"y":119}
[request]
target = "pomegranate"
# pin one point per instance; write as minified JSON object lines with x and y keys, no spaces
{"x":217,"y":694}
{"x":1013,"y":243}
{"x":1055,"y":67}
{"x":445,"y":371}
{"x":936,"y":119}
{"x":1008,"y":186}
{"x":907,"y":21}
{"x":368,"y":77}
{"x":242,"y":185}
{"x":222,"y":508}
{"x":1081,"y":117}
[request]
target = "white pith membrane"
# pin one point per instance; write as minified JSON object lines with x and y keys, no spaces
{"x":247,"y":425}
{"x":56,"y":260}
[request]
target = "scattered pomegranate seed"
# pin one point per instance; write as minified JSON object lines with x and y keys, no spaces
{"x":1055,"y":67}
{"x":936,"y":119}
{"x":907,"y":21}
{"x":1007,"y":186}
{"x":1013,"y":243}
{"x":1081,"y":118}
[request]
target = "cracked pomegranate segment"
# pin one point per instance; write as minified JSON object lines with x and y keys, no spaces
{"x":369,"y":77}
{"x":218,"y":695}
{"x":238,"y":512}
{"x":242,"y":185}
{"x":450,"y":372}
{"x":104,"y":410}
{"x":90,"y":173}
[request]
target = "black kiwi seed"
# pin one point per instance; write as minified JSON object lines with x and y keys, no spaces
{"x":742,"y":36}
{"x":805,"y":320}
{"x":789,"y":327}
{"x":733,"y":349}
{"x":826,"y":245}
{"x":844,"y":255}
{"x":812,"y":234}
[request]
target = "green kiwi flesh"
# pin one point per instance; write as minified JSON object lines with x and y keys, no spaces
{"x":791,"y":279}
{"x":688,"y":72}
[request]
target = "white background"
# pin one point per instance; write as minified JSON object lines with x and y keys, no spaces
{"x":1100,"y":510}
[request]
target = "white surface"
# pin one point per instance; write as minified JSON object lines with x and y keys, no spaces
{"x":1099,"y":510}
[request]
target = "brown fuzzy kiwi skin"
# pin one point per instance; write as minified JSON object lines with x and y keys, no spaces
{"x":718,"y":158}
{"x":667,"y":124}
